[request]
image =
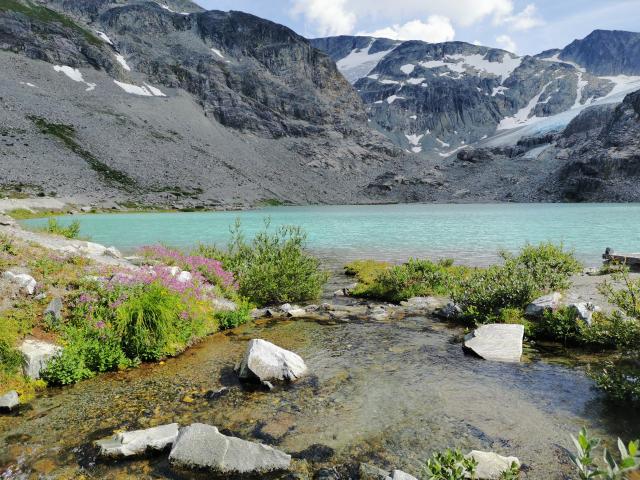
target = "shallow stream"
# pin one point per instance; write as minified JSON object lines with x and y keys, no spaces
{"x":388,"y":393}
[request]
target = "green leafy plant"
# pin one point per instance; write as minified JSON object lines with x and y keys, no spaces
{"x":70,"y":231}
{"x":560,"y":325}
{"x":7,"y":245}
{"x":67,"y":368}
{"x":274,"y":267}
{"x":413,"y":279}
{"x":512,"y":473}
{"x":450,"y":465}
{"x":234,"y":318}
{"x":587,"y":467}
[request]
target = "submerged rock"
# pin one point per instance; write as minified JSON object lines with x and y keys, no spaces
{"x":268,"y":362}
{"x":201,"y":446}
{"x":26,"y":282}
{"x":491,"y":466}
{"x":128,"y":444}
{"x":293,"y":310}
{"x":497,"y":341}
{"x":37,"y":355}
{"x":540,"y":305}
{"x":9,"y":401}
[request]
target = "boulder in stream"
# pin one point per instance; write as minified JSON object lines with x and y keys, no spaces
{"x":540,"y":305}
{"x":9,"y":401}
{"x":491,"y":466}
{"x":585,"y":311}
{"x":268,"y":362}
{"x":497,"y":341}
{"x":203,"y":447}
{"x":37,"y":354}
{"x":128,"y":444}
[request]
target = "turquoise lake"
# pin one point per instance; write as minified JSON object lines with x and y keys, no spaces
{"x":469,"y":233}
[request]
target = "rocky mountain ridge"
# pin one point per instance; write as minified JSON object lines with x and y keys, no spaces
{"x":155,"y":103}
{"x":433,"y":99}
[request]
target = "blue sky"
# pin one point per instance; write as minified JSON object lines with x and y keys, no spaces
{"x":526,"y":27}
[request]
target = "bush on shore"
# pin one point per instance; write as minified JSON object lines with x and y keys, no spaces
{"x":273,"y":268}
{"x":71,"y":231}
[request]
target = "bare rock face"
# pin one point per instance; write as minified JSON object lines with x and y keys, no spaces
{"x":497,"y":342}
{"x":128,"y":444}
{"x":37,"y":355}
{"x":268,"y":362}
{"x":203,"y":447}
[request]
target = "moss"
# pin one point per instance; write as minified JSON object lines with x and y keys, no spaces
{"x":271,"y":202}
{"x":67,"y":135}
{"x":46,"y":15}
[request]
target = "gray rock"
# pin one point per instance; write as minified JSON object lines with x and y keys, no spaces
{"x":37,"y":355}
{"x":491,"y":465}
{"x":497,"y":342}
{"x":224,"y":305}
{"x":540,"y":305}
{"x":138,"y":442}
{"x":371,"y":472}
{"x":585,"y":310}
{"x":449,"y":312}
{"x":112,"y":252}
{"x":400,"y":475}
{"x":9,"y":401}
{"x":378,"y":313}
{"x":260,"y":313}
{"x":296,"y":312}
{"x":26,"y":282}
{"x":54,"y":309}
{"x":202,"y":446}
{"x":268,"y":362}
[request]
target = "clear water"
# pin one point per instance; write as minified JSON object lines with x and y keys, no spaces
{"x":469,"y":233}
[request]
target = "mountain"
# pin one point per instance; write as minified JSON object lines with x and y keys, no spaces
{"x":604,"y":52}
{"x":165,"y":103}
{"x":433,"y":99}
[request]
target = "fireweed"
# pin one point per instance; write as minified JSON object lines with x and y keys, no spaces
{"x":205,"y":268}
{"x":123,"y":317}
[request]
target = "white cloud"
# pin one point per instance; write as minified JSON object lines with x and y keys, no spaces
{"x":335,"y":17}
{"x":329,"y":17}
{"x":506,"y":42}
{"x":525,"y":20}
{"x":436,"y":29}
{"x":477,"y":43}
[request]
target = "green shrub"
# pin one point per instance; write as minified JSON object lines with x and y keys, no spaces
{"x":10,"y":358}
{"x":450,"y":465}
{"x":234,"y":318}
{"x":550,"y":265}
{"x":149,"y":323}
{"x":523,"y":277}
{"x":612,"y":331}
{"x":274,"y":267}
{"x":67,"y":368}
{"x":619,"y":380}
{"x":103,"y":352}
{"x":561,"y":325}
{"x":416,"y":278}
{"x":70,"y":231}
{"x":615,"y":469}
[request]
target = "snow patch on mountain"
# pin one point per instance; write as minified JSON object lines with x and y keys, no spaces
{"x":360,"y":62}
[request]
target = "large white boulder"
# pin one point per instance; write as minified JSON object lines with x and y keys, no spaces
{"x":496,"y":341}
{"x":26,"y":282}
{"x":127,"y":444}
{"x":203,"y":447}
{"x":540,"y":305}
{"x":37,"y":355}
{"x":268,"y":362}
{"x":491,"y":465}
